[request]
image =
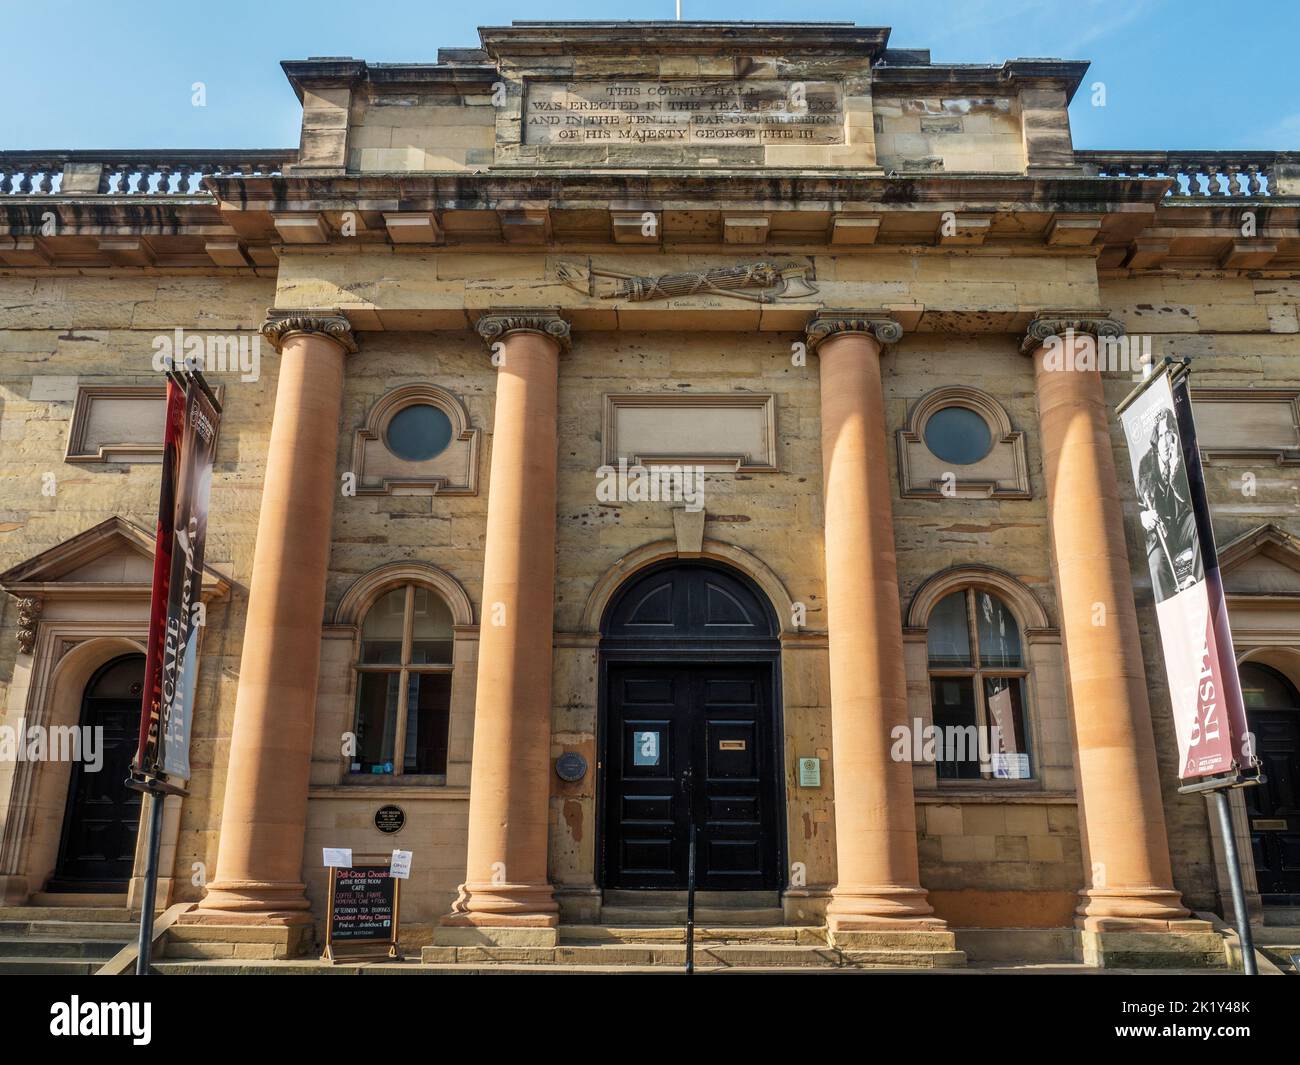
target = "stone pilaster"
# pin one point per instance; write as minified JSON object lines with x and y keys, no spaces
{"x":878,"y":886}
{"x":506,"y":885}
{"x":264,"y":816}
{"x":1126,"y":850}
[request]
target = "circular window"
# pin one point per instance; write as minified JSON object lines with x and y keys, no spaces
{"x":418,"y":432}
{"x":958,"y":435}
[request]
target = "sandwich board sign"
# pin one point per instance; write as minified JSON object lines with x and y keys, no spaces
{"x":364,"y":908}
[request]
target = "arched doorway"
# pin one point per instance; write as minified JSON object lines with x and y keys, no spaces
{"x":690,"y":732}
{"x":102,"y":816}
{"x":1273,"y":708}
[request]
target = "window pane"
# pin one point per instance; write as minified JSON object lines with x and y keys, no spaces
{"x":949,"y":632}
{"x":998,"y":633}
{"x":957,"y":435}
{"x":1263,"y":686}
{"x":376,"y":724}
{"x":1004,"y":697}
{"x":952,"y":703}
{"x":431,"y":633}
{"x":419,"y":432}
{"x":381,"y":635}
{"x":427,"y":714}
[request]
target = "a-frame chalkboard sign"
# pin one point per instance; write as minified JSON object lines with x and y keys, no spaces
{"x":364,"y":909}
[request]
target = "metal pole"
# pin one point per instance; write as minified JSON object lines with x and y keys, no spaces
{"x":690,"y":904}
{"x":145,"y":945}
{"x":1234,"y":877}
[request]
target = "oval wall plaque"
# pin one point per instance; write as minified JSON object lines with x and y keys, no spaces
{"x":390,"y":818}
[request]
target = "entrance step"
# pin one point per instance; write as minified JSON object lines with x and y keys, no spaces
{"x":84,"y":899}
{"x":71,"y":940}
{"x":1279,"y":945}
{"x":586,"y":935}
{"x":648,"y":908}
{"x":1282,"y":916}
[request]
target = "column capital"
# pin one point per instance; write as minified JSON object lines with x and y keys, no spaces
{"x":826,"y":324}
{"x":498,"y":324}
{"x":1046,"y":324}
{"x":280,"y":325}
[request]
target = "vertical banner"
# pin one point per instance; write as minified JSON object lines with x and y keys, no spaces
{"x":1204,"y":689}
{"x":171,"y":664}
{"x":146,"y":755}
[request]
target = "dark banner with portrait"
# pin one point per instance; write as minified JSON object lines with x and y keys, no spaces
{"x":173,"y":642}
{"x":1204,"y":690}
{"x":146,"y":755}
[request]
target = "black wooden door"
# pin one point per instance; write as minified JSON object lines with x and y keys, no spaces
{"x":1274,"y":805}
{"x":97,"y":852}
{"x":691,"y":742}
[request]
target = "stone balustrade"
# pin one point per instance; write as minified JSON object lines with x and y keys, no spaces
{"x":130,"y":173}
{"x":1204,"y":175}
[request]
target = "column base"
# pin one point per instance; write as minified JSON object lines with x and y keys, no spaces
{"x":867,"y":909}
{"x":14,"y":889}
{"x":504,"y":906}
{"x":1196,"y":946}
{"x":246,"y":902}
{"x":1117,"y":909}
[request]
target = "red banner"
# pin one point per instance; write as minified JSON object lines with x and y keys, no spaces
{"x":176,"y":614}
{"x":146,"y":755}
{"x":1204,"y":689}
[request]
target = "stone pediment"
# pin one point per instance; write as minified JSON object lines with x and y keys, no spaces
{"x":1262,"y":564}
{"x":111,"y":560}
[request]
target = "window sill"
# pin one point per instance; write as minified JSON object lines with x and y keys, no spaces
{"x":391,"y":780}
{"x":1030,"y":792}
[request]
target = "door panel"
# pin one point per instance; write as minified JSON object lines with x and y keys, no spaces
{"x":103,"y":815}
{"x":691,"y":743}
{"x":1274,"y":806}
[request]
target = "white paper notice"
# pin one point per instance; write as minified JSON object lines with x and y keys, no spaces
{"x":400,"y":866}
{"x":338,"y":856}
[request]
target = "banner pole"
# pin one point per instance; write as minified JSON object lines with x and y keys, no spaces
{"x":1238,"y":889}
{"x":145,"y":947}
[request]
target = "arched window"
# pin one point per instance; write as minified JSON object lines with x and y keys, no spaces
{"x":404,"y":684}
{"x":977,"y":688}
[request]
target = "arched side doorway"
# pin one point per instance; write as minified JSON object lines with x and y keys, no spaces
{"x":102,"y":816}
{"x":690,"y":732}
{"x":1273,"y":709}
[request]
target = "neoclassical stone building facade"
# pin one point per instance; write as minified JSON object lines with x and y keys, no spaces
{"x":680,"y":397}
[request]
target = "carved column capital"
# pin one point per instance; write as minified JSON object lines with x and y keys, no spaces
{"x":499,"y":324}
{"x":1048,"y":324}
{"x":329,"y":324}
{"x":29,"y":610}
{"x":826,"y":324}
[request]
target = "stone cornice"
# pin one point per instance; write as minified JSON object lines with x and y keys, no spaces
{"x":826,"y":324}
{"x":331,"y":325}
{"x":1057,"y":323}
{"x":499,"y":324}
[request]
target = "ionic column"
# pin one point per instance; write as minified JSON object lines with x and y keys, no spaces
{"x":264,"y":816}
{"x":875,"y":820}
{"x":1126,"y":851}
{"x":509,"y":797}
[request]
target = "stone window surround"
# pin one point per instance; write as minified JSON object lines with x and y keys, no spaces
{"x":349,"y":617}
{"x":463,"y":436}
{"x":973,"y":480}
{"x":1046,"y":724}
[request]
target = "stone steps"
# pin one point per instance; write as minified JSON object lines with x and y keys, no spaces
{"x":579,"y":935}
{"x":63,"y":935}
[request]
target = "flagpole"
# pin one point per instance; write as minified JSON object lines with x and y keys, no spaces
{"x":1238,"y":888}
{"x":144,"y":949}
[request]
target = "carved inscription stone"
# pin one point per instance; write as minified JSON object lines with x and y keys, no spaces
{"x":681,"y":111}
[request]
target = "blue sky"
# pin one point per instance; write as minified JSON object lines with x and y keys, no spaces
{"x":118,"y":73}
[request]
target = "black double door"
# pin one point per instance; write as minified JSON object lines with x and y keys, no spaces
{"x":102,"y":818}
{"x":691,"y":743}
{"x":1274,"y":806}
